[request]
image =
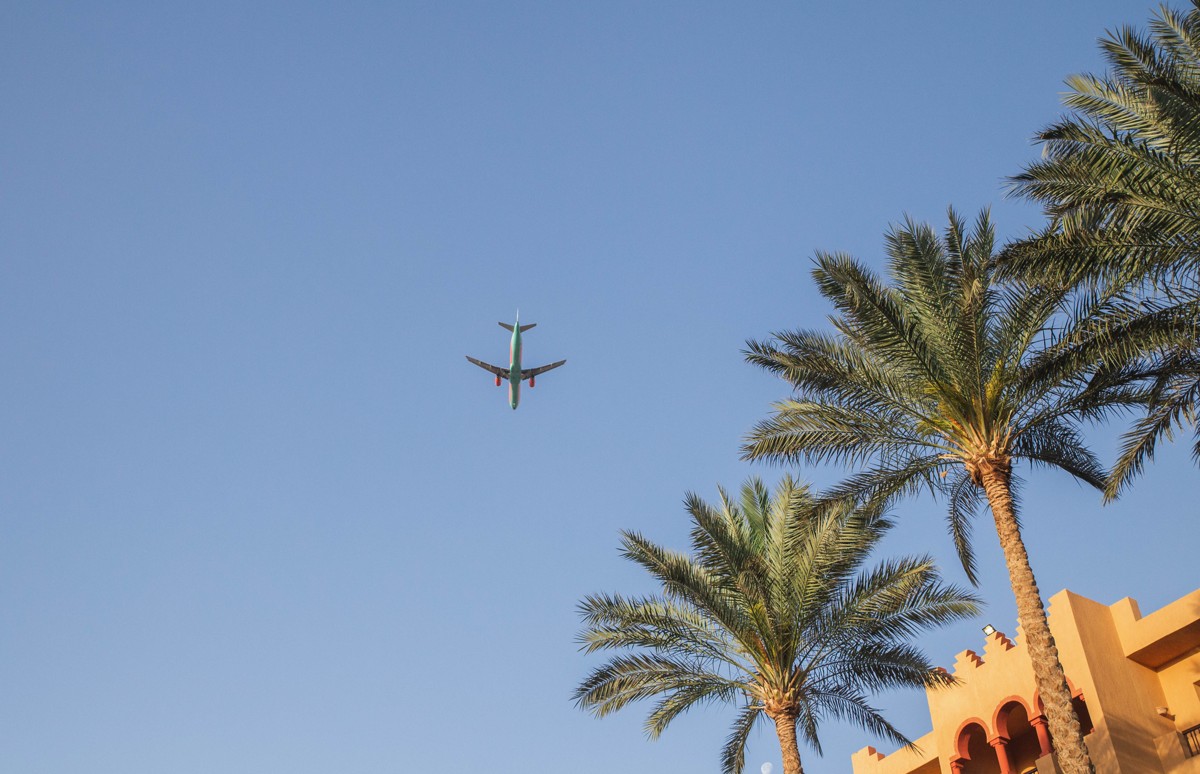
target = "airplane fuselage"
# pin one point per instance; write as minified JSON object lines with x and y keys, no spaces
{"x":514,"y":366}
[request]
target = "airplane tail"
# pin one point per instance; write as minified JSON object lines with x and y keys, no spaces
{"x":524,"y":328}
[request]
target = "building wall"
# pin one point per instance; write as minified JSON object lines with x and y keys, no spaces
{"x":1121,"y":695}
{"x":1138,"y":677}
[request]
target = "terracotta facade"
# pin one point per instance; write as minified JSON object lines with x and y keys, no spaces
{"x":1135,"y":681}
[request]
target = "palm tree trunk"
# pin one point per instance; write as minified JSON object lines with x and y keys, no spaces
{"x":785,"y":728}
{"x":1069,"y":748}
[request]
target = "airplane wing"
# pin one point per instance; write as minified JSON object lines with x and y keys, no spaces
{"x":526,"y":373}
{"x":497,"y":370}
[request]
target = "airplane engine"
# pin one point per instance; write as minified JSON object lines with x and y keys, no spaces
{"x":497,"y":380}
{"x":531,"y":382}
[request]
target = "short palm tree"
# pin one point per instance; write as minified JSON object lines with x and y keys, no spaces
{"x":942,"y":380}
{"x":1120,"y":180}
{"x":774,"y":612}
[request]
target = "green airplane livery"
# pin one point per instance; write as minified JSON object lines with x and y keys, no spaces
{"x":514,"y":373}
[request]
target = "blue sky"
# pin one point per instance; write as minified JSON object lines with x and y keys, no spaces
{"x":257,"y":513}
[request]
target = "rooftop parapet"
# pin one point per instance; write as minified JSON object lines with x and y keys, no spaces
{"x":1165,"y":634}
{"x":966,"y":662}
{"x":996,"y":646}
{"x":868,"y":760}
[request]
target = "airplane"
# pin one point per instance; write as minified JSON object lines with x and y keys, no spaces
{"x":514,"y":373}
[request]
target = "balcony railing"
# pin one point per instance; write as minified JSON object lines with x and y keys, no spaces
{"x":1191,"y":741}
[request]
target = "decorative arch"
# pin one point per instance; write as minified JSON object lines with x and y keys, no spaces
{"x":1005,"y":708}
{"x":975,"y":751}
{"x":1078,"y":703}
{"x":1021,"y":734}
{"x":960,"y":736}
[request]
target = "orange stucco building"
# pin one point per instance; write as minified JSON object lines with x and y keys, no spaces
{"x":1135,"y":681}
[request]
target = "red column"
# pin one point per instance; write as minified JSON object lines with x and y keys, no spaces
{"x":1043,"y":731}
{"x":999,"y":744}
{"x":956,"y":766}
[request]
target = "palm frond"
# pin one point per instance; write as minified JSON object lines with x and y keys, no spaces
{"x":1175,"y":407}
{"x":733,"y":755}
{"x":965,"y":499}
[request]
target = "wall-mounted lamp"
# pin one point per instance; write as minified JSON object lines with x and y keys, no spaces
{"x":989,"y":630}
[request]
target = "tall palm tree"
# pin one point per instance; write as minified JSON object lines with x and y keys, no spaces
{"x":1120,"y":180}
{"x":943,"y":379}
{"x":774,"y":612}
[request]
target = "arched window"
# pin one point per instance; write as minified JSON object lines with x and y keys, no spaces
{"x":976,"y":756}
{"x":1023,"y":747}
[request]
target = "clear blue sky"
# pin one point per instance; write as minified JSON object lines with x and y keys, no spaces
{"x":258,"y":514}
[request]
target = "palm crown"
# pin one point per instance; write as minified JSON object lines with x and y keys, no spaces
{"x":935,"y":378}
{"x":772,"y":612}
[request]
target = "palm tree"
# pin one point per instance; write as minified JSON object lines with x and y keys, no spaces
{"x":1120,"y":180}
{"x":943,"y":380}
{"x":772,"y":612}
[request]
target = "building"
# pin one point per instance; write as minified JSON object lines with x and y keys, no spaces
{"x":1135,"y":681}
